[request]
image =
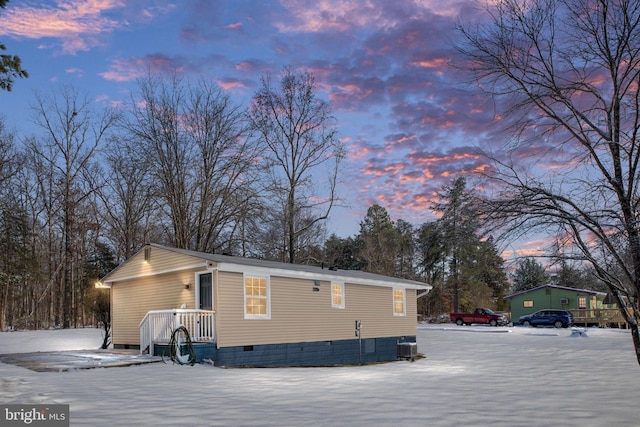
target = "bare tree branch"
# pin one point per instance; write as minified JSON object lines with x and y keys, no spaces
{"x":567,"y":74}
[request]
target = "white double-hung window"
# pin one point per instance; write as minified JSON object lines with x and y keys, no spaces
{"x":337,"y":295}
{"x":399,"y":302}
{"x":257,"y":301}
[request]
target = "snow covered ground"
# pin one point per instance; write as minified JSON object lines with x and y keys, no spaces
{"x":471,"y":376}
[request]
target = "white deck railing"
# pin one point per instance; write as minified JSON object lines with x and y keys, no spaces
{"x":158,"y":325}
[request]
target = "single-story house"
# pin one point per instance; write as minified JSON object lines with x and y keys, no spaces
{"x":250,"y":312}
{"x":582,"y":303}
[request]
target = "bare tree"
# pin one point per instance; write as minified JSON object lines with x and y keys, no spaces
{"x":8,"y":154}
{"x":127,"y":197}
{"x":297,"y":131}
{"x":72,"y":134}
{"x":18,"y":267}
{"x":37,"y":182}
{"x":567,"y":73}
{"x":199,"y":157}
{"x":225,"y":178}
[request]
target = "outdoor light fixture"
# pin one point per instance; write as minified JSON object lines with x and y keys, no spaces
{"x":147,"y":255}
{"x":187,"y":286}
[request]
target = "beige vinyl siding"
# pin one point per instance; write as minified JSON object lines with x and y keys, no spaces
{"x":299,"y":314}
{"x":132,"y":299}
{"x":161,"y":261}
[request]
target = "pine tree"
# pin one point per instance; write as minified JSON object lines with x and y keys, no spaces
{"x":528,"y":275}
{"x":10,"y":65}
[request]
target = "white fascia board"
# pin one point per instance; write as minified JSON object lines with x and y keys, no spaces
{"x":334,"y":277}
{"x":109,"y":283}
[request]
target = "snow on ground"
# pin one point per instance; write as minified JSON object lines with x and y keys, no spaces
{"x":471,"y":376}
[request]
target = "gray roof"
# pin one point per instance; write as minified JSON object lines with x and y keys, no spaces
{"x":299,"y":270}
{"x":564,"y":288}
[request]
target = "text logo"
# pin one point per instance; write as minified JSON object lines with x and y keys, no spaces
{"x":35,"y":415}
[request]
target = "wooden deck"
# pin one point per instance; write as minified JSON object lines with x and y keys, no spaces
{"x":603,"y":318}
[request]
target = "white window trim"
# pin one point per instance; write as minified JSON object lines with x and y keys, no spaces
{"x":580,"y":299}
{"x":404,"y":301}
{"x":341,"y":284}
{"x":244,"y":293}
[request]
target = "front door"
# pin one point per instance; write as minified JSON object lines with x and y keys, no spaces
{"x":206,"y":291}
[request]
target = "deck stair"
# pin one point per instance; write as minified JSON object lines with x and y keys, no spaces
{"x":157,"y":326}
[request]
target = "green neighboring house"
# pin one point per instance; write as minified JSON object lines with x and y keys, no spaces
{"x":581,"y":302}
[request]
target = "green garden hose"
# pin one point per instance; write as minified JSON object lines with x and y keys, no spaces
{"x":180,"y":339}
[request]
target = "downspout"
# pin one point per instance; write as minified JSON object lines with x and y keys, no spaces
{"x":422,"y":294}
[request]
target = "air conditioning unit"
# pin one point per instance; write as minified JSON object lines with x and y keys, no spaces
{"x":564,"y":301}
{"x":407,"y":350}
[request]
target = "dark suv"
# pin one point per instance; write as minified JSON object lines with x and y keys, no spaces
{"x":556,"y":318}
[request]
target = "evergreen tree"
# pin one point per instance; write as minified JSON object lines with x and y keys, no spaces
{"x":379,"y":241}
{"x":19,"y":272}
{"x":458,"y":224}
{"x":342,"y":253}
{"x":406,"y":249}
{"x":529,"y":274}
{"x":10,"y":65}
{"x":431,"y":248}
{"x":486,"y":267}
{"x":471,"y":268}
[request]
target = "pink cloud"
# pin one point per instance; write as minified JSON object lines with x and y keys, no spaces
{"x":433,"y":63}
{"x":347,"y":15}
{"x":355,"y":93}
{"x":359,"y":151}
{"x":530,"y":248}
{"x":123,"y":70}
{"x":418,"y":177}
{"x":234,"y":26}
{"x":230,"y":85}
{"x":245,"y":66}
{"x":76,"y":71}
{"x":77,"y":24}
{"x":324,"y":16}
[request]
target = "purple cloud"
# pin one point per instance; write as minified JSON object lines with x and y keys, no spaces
{"x":403,"y":110}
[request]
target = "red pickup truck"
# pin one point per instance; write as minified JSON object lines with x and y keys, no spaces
{"x":480,"y":315}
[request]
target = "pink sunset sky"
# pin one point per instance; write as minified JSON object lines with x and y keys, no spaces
{"x":410,"y":121}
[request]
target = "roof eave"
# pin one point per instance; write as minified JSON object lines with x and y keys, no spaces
{"x":331,"y":275}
